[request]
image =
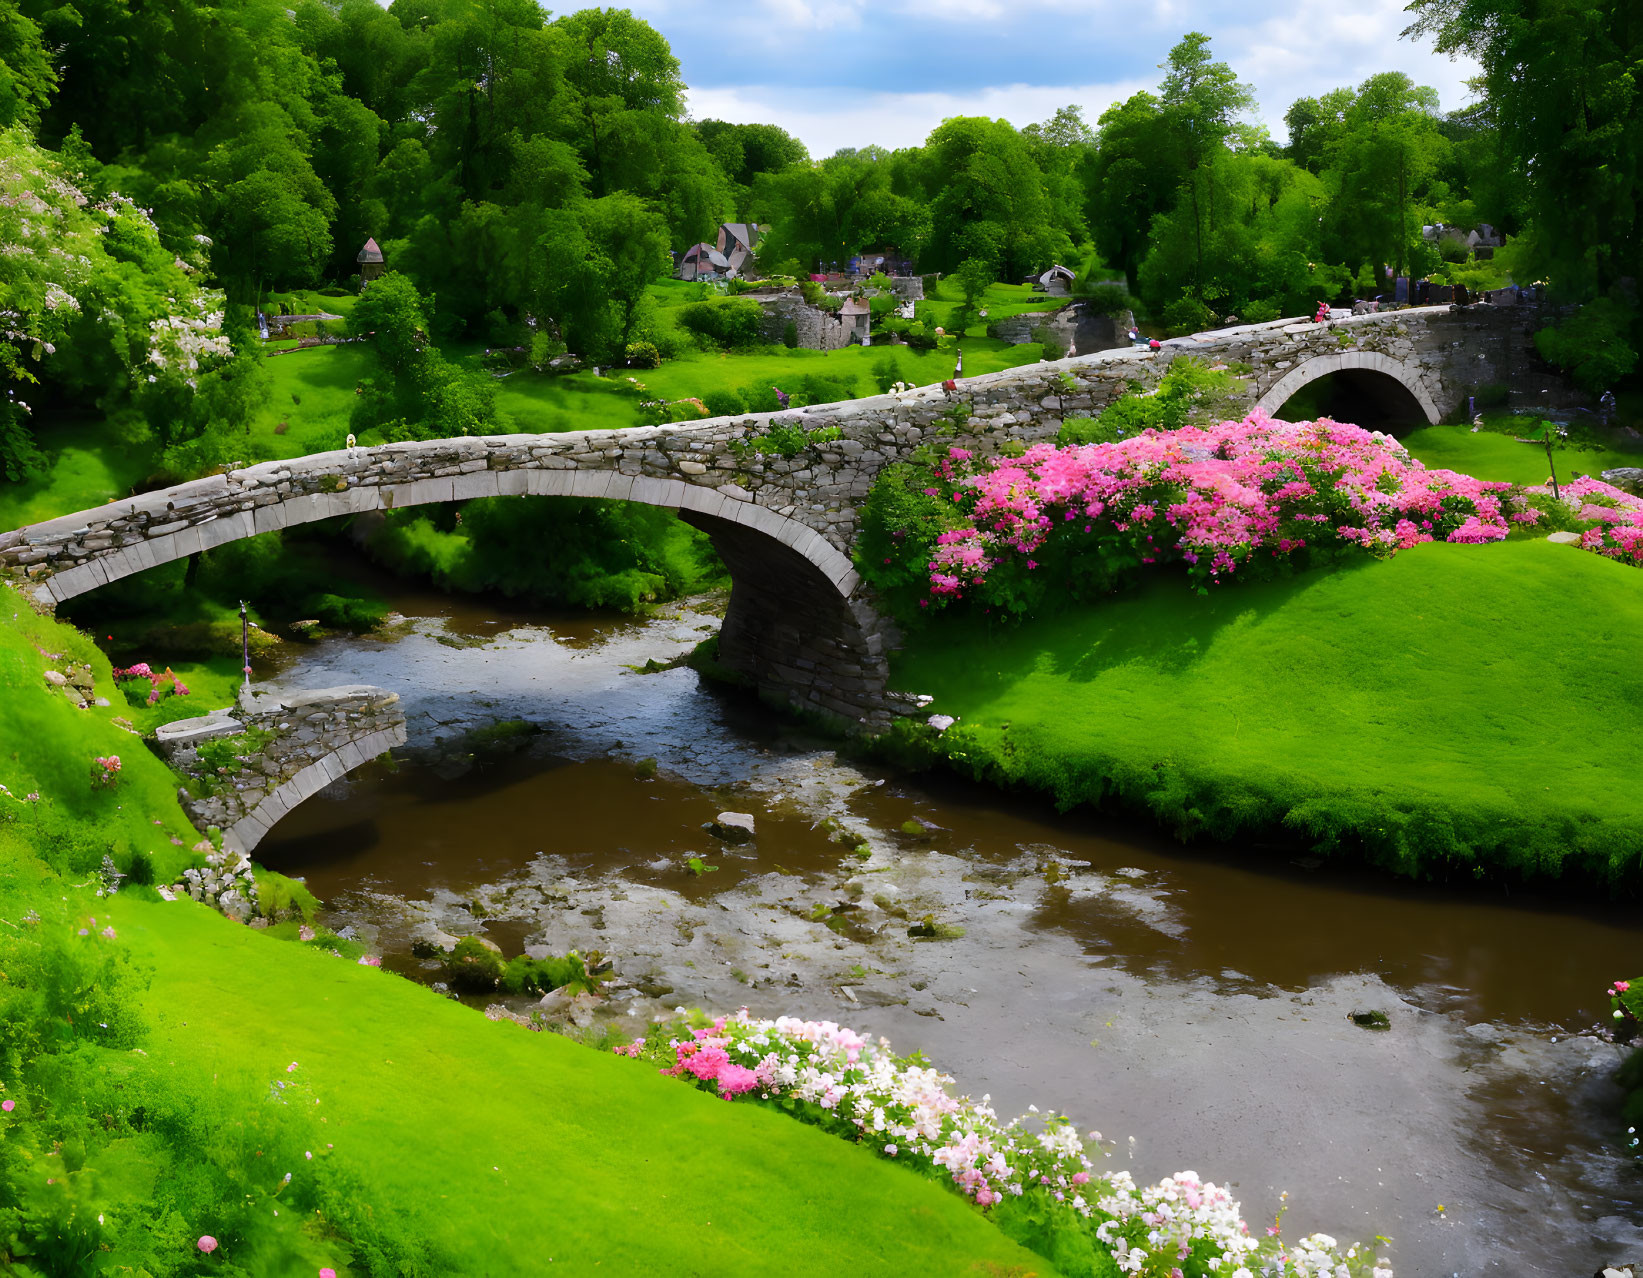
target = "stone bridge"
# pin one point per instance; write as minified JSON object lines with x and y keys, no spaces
{"x":801,"y":627}
{"x":305,"y":741}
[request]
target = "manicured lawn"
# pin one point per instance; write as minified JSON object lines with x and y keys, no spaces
{"x":523,"y":1153}
{"x":697,"y":374}
{"x":1452,"y":707}
{"x":1491,"y":455}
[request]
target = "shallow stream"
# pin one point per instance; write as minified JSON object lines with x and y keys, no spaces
{"x":1193,"y":1004}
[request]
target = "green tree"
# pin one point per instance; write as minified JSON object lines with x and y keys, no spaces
{"x":1202,"y":102}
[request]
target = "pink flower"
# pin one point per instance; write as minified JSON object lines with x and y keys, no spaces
{"x":8,"y":1105}
{"x":108,"y":932}
{"x":1622,"y":986}
{"x":369,"y":960}
{"x":207,"y":1244}
{"x":328,"y":1272}
{"x":305,"y":933}
{"x":291,"y":1068}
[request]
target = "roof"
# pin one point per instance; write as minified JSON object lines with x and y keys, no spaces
{"x":1057,"y":272}
{"x":705,"y":250}
{"x":746,"y":232}
{"x":370,"y":253}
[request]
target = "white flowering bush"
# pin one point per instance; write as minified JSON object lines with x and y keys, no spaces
{"x":91,"y":299}
{"x":1034,"y":1174}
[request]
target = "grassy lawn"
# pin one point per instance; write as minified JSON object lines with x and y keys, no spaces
{"x":87,"y":464}
{"x":509,"y":1152}
{"x":1453,"y":707}
{"x":1491,"y":455}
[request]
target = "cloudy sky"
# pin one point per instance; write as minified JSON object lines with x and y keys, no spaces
{"x":852,"y":72}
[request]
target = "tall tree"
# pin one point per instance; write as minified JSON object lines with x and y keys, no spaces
{"x":1202,"y":102}
{"x":1563,"y":82}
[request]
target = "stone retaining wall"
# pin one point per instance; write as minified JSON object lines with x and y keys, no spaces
{"x":317,"y":737}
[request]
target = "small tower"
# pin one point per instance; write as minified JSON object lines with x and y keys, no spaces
{"x":370,"y":262}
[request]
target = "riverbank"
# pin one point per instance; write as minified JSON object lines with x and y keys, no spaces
{"x":419,"y":1137}
{"x":1083,"y":961}
{"x":1458,"y":710}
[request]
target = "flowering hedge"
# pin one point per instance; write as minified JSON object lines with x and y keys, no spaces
{"x":1235,"y":497}
{"x":1034,"y":1175}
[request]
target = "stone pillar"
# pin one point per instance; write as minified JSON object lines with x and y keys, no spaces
{"x":791,"y":636}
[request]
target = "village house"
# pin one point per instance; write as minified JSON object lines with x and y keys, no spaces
{"x":1057,"y":281}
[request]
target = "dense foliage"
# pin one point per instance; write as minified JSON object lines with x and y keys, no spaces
{"x":527,"y":175}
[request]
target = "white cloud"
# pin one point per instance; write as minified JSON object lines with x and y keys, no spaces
{"x":827,"y":120}
{"x":822,"y":15}
{"x":1305,"y":50}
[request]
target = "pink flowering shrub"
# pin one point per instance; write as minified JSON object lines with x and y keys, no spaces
{"x":1034,"y":1174}
{"x":1236,"y":498}
{"x":105,"y":772}
{"x":143,"y":687}
{"x":1616,"y":518}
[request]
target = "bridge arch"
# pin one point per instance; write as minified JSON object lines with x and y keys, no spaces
{"x":795,"y":629}
{"x":1373,"y":369}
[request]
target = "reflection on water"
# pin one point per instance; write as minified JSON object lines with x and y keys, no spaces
{"x":1198,"y":999}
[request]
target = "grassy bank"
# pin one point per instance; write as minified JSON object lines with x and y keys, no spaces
{"x":1492,"y":455}
{"x":162,"y":1076}
{"x":1458,"y":709}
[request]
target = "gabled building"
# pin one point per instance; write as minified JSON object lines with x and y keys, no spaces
{"x":702,"y":262}
{"x":737,"y":242}
{"x":1058,"y":280}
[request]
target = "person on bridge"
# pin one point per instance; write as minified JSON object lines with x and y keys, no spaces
{"x":1153,"y":344}
{"x":1322,"y":317}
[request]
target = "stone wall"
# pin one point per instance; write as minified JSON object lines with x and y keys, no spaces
{"x":801,"y":626}
{"x":317,"y":737}
{"x":817,"y":330}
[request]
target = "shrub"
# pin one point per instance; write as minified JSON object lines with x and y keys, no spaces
{"x":1187,"y":314}
{"x":643,"y":355}
{"x":723,"y":403}
{"x":727,"y":322}
{"x":1046,"y":337}
{"x":887,"y":372}
{"x":790,"y":335}
{"x":1105,"y":298}
{"x":1595,"y":345}
{"x":473,"y":966}
{"x":1262,"y":310}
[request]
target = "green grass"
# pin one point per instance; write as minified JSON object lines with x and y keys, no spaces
{"x":87,"y":463}
{"x":512,"y":1153}
{"x":515,"y":1150}
{"x":1491,"y":455}
{"x":1452,"y":709}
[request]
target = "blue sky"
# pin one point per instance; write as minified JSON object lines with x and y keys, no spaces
{"x":852,"y":72}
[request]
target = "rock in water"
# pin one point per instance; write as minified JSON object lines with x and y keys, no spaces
{"x":732,"y":827}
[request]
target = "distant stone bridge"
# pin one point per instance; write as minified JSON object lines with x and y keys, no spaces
{"x":800,"y":626}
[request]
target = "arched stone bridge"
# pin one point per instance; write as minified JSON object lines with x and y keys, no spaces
{"x":800,"y":626}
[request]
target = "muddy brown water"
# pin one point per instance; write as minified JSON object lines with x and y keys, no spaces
{"x":1193,"y":1004}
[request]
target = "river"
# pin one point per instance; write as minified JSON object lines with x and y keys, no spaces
{"x":1194,"y":1005}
